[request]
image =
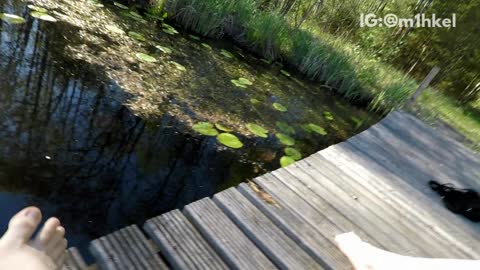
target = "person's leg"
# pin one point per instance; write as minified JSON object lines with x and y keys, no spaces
{"x":45,"y":252}
{"x":364,"y":256}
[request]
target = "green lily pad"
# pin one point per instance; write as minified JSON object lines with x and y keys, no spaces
{"x":257,"y":130}
{"x":121,"y":6}
{"x":114,"y":29}
{"x":136,"y":36}
{"x":285,"y":128}
{"x":11,"y":18}
{"x":166,"y":28}
{"x":205,"y":45}
{"x":146,"y":58}
{"x":285,"y":73}
{"x":226,"y":53}
{"x":164,"y":49}
{"x":286,"y":161}
{"x":279,"y":107}
{"x":229,"y":140}
{"x":317,"y":129}
{"x":223,"y":128}
{"x":205,"y":128}
{"x":194,"y":37}
{"x":237,"y":83}
{"x":285,"y":139}
{"x":178,"y":66}
{"x":39,"y":9}
{"x":42,"y":16}
{"x":328,"y":116}
{"x":245,"y":81}
{"x":254,"y":101}
{"x":293,"y":153}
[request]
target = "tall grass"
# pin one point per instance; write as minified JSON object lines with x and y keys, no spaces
{"x":318,"y":56}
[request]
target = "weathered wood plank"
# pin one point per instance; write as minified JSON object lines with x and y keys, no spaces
{"x":313,"y":242}
{"x":430,"y":227}
{"x":181,"y":244}
{"x":127,"y":248}
{"x":281,"y":250}
{"x":225,"y":237}
{"x":73,"y":260}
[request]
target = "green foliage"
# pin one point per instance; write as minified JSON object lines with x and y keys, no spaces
{"x":205,"y":128}
{"x":286,"y":161}
{"x":293,"y":153}
{"x":257,"y":130}
{"x":229,"y":140}
{"x":285,"y":139}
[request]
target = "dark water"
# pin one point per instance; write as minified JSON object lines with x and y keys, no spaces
{"x":69,"y":146}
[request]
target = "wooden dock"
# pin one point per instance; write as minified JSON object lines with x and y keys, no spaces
{"x":374,"y":184}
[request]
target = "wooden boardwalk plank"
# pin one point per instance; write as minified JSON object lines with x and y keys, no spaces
{"x":181,"y":243}
{"x":127,"y":248}
{"x":315,"y":244}
{"x":225,"y":237}
{"x":73,"y":260}
{"x":431,"y":229}
{"x":281,"y":250}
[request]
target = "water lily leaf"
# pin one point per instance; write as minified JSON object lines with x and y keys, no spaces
{"x":39,"y":9}
{"x":229,"y":140}
{"x":169,"y":29}
{"x":293,"y":153}
{"x":114,"y":29}
{"x":285,"y":73}
{"x":285,"y":139}
{"x":257,"y":130}
{"x":205,"y":128}
{"x":136,"y":36}
{"x":328,"y":116}
{"x":121,"y":6}
{"x":226,"y":53}
{"x":279,"y":107}
{"x":164,"y":49}
{"x":146,"y":58}
{"x":317,"y":129}
{"x":286,"y":161}
{"x":42,"y":16}
{"x":237,"y":83}
{"x":178,"y":66}
{"x":254,"y":101}
{"x":223,"y":128}
{"x":205,"y":45}
{"x":245,"y":81}
{"x":194,"y":37}
{"x":285,"y":128}
{"x":11,"y":18}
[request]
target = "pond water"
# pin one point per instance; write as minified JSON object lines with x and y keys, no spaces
{"x":101,"y":139}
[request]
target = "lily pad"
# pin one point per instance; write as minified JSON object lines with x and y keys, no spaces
{"x":11,"y":18}
{"x":226,"y":53}
{"x":39,"y":9}
{"x":146,"y":58}
{"x":328,"y":116}
{"x":286,"y":161}
{"x":284,"y":127}
{"x":205,"y":128}
{"x":285,"y":73}
{"x":245,"y":81}
{"x":237,"y":83}
{"x":285,"y":139}
{"x":257,"y":130}
{"x":293,"y":153}
{"x":229,"y":140}
{"x":114,"y":29}
{"x":121,"y":6}
{"x":223,"y":128}
{"x":205,"y":45}
{"x":164,"y":49}
{"x":136,"y":36}
{"x":317,"y":129}
{"x":194,"y":37}
{"x":254,"y":101}
{"x":42,"y":16}
{"x":279,"y":107}
{"x":178,"y":66}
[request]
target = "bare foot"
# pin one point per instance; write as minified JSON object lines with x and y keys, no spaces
{"x":45,"y":252}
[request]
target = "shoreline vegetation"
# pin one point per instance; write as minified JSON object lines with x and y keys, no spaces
{"x":319,"y":56}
